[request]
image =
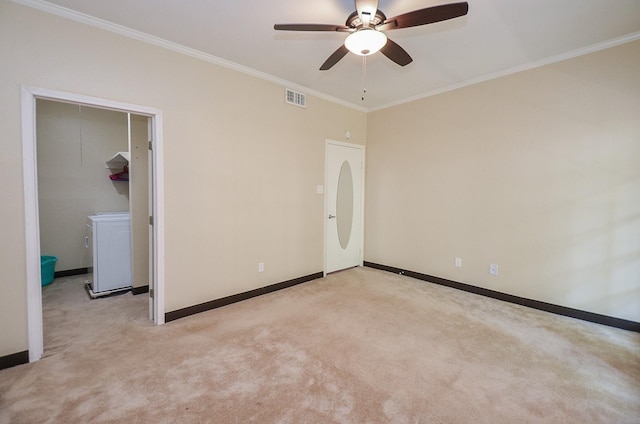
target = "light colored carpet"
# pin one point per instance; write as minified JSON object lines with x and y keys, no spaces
{"x":360,"y":346}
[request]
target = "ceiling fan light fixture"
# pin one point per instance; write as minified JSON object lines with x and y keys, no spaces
{"x":365,"y":41}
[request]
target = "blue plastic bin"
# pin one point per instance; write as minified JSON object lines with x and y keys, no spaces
{"x":47,"y":269}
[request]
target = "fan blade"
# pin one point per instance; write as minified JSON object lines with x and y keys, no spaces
{"x":334,"y":58}
{"x":396,"y":53}
{"x":366,"y":10}
{"x":425,"y":16}
{"x":312,"y":27}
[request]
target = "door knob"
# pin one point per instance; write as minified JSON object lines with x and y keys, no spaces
{"x":331,"y":216}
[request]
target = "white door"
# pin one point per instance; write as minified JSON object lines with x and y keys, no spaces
{"x":343,"y":205}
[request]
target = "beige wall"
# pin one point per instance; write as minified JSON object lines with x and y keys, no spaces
{"x":73,"y":143}
{"x":241,"y":166}
{"x":538,"y":172}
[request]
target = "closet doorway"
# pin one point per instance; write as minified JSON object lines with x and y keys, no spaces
{"x":144,"y":144}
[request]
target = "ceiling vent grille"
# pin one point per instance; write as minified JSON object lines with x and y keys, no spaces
{"x":295,"y":98}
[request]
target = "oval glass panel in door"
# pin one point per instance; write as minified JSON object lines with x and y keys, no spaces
{"x":344,"y":204}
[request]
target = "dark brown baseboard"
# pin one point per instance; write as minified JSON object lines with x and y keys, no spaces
{"x":543,"y":306}
{"x":202,"y":307}
{"x":139,"y":290}
{"x":70,"y":272}
{"x":14,"y":359}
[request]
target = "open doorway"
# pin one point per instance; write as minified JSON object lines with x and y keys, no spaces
{"x":30,"y":96}
{"x":93,"y":179}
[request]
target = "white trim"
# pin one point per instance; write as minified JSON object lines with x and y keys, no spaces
{"x":32,"y":229}
{"x":158,"y":215}
{"x":178,"y":48}
{"x":32,"y":238}
{"x":525,"y":67}
{"x":160,"y":42}
{"x":362,"y":195}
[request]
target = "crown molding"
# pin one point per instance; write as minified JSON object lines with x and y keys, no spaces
{"x":525,"y":67}
{"x":178,"y":48}
{"x":175,"y":47}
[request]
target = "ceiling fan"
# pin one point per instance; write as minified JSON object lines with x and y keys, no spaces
{"x":366,"y":26}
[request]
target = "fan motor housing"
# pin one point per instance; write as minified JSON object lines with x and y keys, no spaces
{"x":354,"y":20}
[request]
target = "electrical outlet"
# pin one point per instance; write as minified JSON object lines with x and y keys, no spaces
{"x":458,"y":262}
{"x":493,"y":269}
{"x":261,"y":267}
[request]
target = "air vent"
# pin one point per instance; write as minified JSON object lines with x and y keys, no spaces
{"x":295,"y":98}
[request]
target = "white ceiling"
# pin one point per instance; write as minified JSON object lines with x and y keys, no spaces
{"x":497,"y":37}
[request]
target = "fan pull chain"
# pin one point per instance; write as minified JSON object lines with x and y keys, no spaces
{"x":364,"y":77}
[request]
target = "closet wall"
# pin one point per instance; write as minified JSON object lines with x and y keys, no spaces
{"x":73,"y":143}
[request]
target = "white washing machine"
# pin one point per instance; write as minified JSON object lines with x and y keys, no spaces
{"x":110,"y":241}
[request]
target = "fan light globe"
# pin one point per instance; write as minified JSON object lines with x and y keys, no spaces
{"x":365,"y":41}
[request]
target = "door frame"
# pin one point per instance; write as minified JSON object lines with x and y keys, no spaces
{"x":29,"y":95}
{"x":326,"y":203}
